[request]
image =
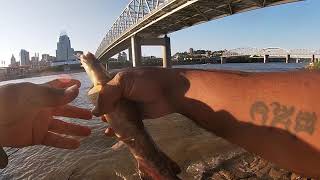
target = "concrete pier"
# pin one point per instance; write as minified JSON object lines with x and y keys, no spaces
{"x":136,"y":51}
{"x":107,"y":66}
{"x":265,"y":58}
{"x":130,"y":53}
{"x":166,"y":53}
{"x":288,"y":58}
{"x":313,"y":58}
{"x":223,"y":60}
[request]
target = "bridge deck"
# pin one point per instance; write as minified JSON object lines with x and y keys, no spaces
{"x":174,"y":15}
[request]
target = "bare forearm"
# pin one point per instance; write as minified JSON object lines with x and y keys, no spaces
{"x":272,"y":114}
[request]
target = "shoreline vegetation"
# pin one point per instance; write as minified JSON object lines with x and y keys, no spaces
{"x":313,"y":66}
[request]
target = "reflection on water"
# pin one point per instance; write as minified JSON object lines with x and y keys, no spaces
{"x":95,"y":159}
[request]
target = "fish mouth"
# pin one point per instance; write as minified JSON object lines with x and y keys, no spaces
{"x":84,"y":61}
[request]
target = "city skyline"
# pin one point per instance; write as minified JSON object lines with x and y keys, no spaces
{"x":287,"y":26}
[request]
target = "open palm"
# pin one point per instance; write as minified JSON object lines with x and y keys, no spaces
{"x":28,"y":114}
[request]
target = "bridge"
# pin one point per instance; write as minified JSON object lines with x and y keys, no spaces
{"x":267,"y":53}
{"x":147,"y":23}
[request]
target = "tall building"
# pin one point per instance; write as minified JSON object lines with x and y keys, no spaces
{"x":14,"y":63}
{"x":24,"y":58}
{"x":64,"y":51}
{"x":191,"y":51}
{"x":3,"y":64}
{"x":122,"y":57}
{"x":47,"y":58}
{"x":35,"y":59}
{"x":78,"y":53}
{"x":13,"y":60}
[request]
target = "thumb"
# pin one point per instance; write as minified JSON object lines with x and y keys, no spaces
{"x":109,"y":95}
{"x":45,"y":96}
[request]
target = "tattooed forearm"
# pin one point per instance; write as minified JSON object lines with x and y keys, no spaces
{"x":276,"y":114}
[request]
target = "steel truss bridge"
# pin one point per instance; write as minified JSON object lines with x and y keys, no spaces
{"x":147,"y":22}
{"x":272,"y":52}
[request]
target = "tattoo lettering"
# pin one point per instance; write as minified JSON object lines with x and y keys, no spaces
{"x":259,"y":108}
{"x":305,"y":122}
{"x":281,"y":115}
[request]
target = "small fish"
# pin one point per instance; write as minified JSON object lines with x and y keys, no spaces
{"x":125,"y":121}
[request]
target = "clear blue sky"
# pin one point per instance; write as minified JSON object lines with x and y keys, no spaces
{"x":35,"y":25}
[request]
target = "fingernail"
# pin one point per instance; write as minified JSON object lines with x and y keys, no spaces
{"x":72,"y":89}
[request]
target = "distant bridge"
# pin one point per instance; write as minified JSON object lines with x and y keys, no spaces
{"x":267,"y":53}
{"x":272,"y":52}
{"x":147,"y":22}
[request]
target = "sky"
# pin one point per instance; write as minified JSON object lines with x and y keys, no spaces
{"x":35,"y":25}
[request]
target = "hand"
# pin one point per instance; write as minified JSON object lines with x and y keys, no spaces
{"x":28,"y":114}
{"x":156,"y":92}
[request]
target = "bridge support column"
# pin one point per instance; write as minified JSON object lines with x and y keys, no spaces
{"x":288,"y":58}
{"x":223,"y":60}
{"x":136,"y":51}
{"x":166,"y":53}
{"x":313,"y":58}
{"x":297,"y":60}
{"x":130,"y":54}
{"x":265,"y":58}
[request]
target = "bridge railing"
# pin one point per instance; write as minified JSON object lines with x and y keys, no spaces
{"x":134,"y":12}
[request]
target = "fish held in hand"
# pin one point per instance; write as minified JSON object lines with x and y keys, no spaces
{"x":128,"y":127}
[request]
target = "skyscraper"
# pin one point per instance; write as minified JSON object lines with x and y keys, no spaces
{"x":47,"y":58}
{"x":13,"y":60}
{"x":14,"y":63}
{"x":191,"y":51}
{"x":35,"y":59}
{"x":24,"y":58}
{"x":64,"y":51}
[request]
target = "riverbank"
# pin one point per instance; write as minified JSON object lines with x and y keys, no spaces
{"x":42,"y":74}
{"x":250,"y":67}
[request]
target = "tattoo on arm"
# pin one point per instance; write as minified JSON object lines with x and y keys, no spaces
{"x":260,"y":109}
{"x":287,"y":116}
{"x":281,"y":115}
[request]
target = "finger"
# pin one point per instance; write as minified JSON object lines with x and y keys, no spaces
{"x":108,"y":97}
{"x":58,"y":141}
{"x":113,"y":73}
{"x":46,"y":96}
{"x":72,"y":112}
{"x":66,"y":128}
{"x":63,"y":83}
{"x":109,"y":132}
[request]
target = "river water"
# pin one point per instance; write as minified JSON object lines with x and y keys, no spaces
{"x":95,"y":158}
